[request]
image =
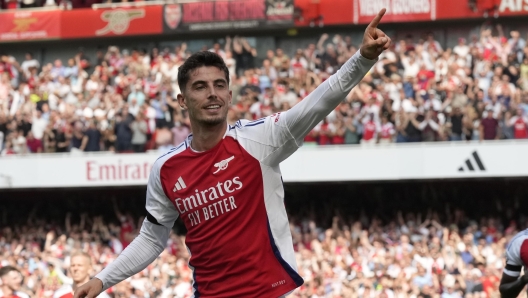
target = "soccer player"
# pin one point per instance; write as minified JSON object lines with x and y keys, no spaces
{"x":11,"y":280}
{"x":225,"y":183}
{"x":80,"y":267}
{"x":512,"y":283}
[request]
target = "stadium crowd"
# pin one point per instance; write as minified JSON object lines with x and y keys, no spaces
{"x":125,"y":100}
{"x":435,"y":254}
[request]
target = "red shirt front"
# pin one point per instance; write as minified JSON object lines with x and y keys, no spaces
{"x":369,"y":130}
{"x":520,"y":129}
{"x":34,"y":145}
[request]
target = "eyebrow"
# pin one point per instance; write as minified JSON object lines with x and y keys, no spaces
{"x":204,"y":82}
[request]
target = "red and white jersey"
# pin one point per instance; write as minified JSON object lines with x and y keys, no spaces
{"x":520,"y":129}
{"x":231,"y":200}
{"x":517,"y":254}
{"x":66,"y":291}
{"x":387,"y":130}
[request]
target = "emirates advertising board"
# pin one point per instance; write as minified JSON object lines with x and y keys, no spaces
{"x":450,"y":160}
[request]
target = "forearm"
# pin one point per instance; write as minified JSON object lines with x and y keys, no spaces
{"x":310,"y":111}
{"x":145,"y":248}
{"x":512,"y":289}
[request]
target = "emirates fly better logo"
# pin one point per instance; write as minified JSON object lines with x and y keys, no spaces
{"x":119,"y":20}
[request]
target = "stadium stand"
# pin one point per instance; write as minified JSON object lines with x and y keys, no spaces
{"x":124,"y":100}
{"x":362,"y":240}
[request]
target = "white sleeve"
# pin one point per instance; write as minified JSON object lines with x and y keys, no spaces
{"x":137,"y":256}
{"x":305,"y":115}
{"x":514,"y":263}
{"x":272,"y":139}
{"x":152,"y":239}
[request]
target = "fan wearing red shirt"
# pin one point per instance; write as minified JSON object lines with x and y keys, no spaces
{"x":370,"y":130}
{"x":34,"y":145}
{"x":387,"y":130}
{"x":11,"y":280}
{"x":520,"y":128}
{"x":80,"y":268}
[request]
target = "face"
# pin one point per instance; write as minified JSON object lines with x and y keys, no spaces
{"x":206,"y":96}
{"x":13,"y":280}
{"x":80,"y":268}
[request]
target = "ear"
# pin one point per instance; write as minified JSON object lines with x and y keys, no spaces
{"x":230,"y":97}
{"x":181,"y":101}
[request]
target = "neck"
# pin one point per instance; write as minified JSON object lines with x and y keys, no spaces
{"x":6,"y":291}
{"x":206,"y":137}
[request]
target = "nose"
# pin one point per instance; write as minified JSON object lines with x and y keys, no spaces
{"x":212,"y":93}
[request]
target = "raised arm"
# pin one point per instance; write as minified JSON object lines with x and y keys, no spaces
{"x":304,"y":116}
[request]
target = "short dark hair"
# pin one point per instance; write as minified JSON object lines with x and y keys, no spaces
{"x":5,"y":270}
{"x":199,"y":59}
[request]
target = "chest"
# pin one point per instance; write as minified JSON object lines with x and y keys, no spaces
{"x":224,"y":180}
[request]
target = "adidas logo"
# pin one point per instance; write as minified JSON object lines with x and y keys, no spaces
{"x":472,"y":162}
{"x":179,"y":185}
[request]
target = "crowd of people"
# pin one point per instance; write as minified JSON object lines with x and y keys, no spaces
{"x":125,"y":100}
{"x":444,"y":255}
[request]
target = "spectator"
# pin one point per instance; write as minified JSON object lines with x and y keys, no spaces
{"x":38,"y":125}
{"x":387,"y":131}
{"x":34,"y":145}
{"x":139,"y":133}
{"x":11,"y":281}
{"x":91,"y":141}
{"x":489,"y":127}
{"x":123,"y":131}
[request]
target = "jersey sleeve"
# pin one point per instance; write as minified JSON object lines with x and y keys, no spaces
{"x":160,"y":210}
{"x":153,"y":236}
{"x":274,"y":138}
{"x":516,"y":256}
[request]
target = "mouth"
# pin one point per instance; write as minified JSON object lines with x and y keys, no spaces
{"x":213,"y":107}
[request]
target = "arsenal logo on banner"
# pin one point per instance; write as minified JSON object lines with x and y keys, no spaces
{"x":173,"y":15}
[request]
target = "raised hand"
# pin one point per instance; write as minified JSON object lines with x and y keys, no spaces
{"x":375,"y":41}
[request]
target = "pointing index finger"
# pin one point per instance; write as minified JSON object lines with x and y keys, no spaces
{"x":375,"y":22}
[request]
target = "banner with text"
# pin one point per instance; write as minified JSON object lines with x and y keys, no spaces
{"x":397,"y":10}
{"x":227,"y":15}
{"x":342,"y":12}
{"x":29,"y":25}
{"x":311,"y":164}
{"x":139,"y":20}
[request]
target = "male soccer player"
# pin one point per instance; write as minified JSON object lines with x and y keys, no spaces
{"x":512,"y":283}
{"x":225,"y":183}
{"x":80,"y":267}
{"x":10,"y":282}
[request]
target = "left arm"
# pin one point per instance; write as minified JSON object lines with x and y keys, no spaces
{"x":511,"y":286}
{"x":305,"y":115}
{"x":272,"y":139}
